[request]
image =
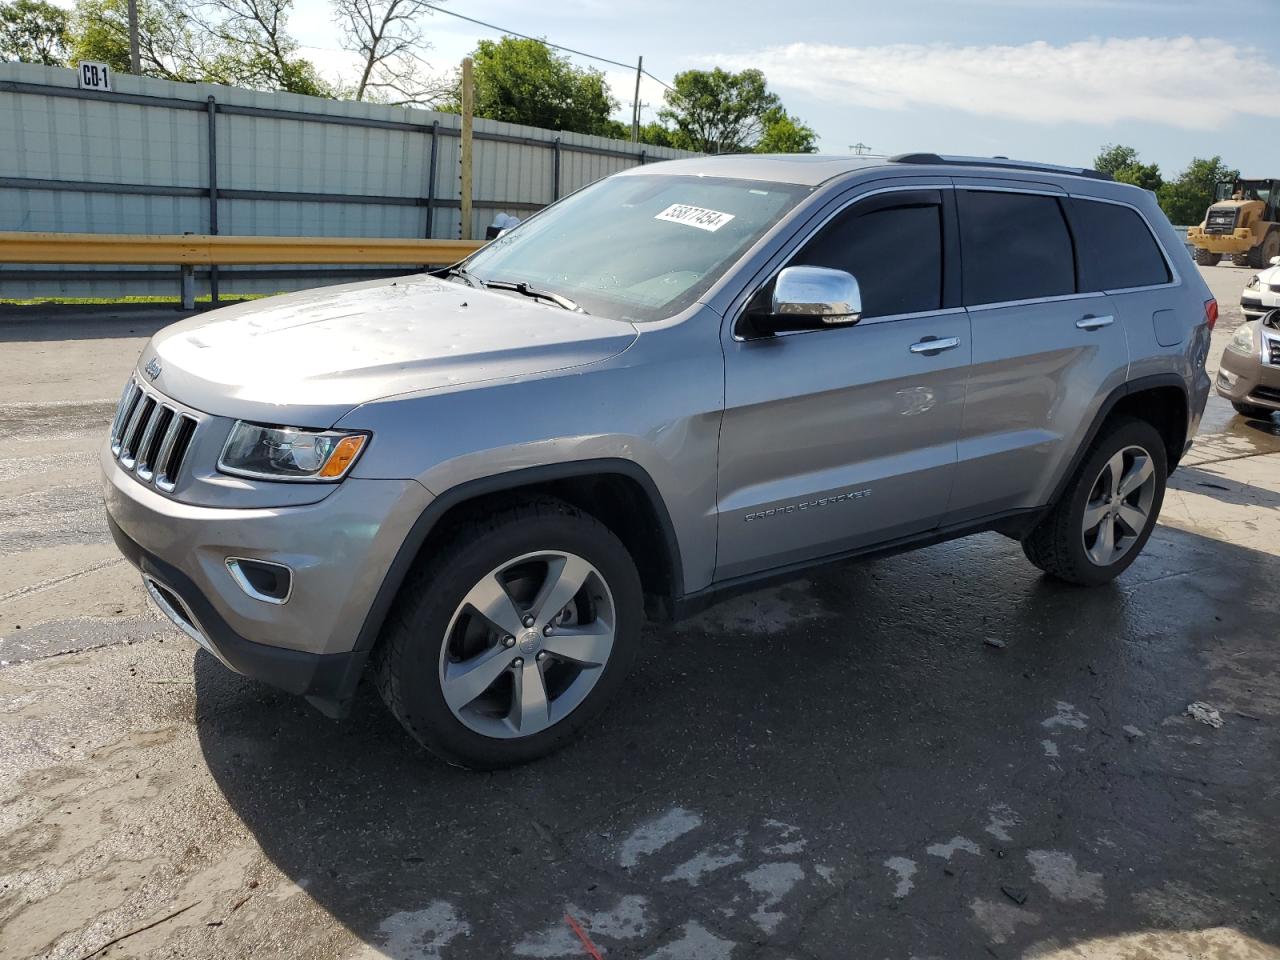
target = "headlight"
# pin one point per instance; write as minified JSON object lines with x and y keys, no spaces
{"x":1242,"y":342}
{"x":290,"y":453}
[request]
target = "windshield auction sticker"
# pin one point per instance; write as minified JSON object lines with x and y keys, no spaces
{"x":699,"y":217}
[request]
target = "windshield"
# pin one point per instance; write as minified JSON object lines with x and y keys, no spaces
{"x":639,"y":247}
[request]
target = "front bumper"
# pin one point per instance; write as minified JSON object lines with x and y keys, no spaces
{"x":1248,"y":380}
{"x":338,"y":550}
{"x":1255,"y":305}
{"x":1238,"y":241}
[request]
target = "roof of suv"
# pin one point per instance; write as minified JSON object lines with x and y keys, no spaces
{"x":811,"y":169}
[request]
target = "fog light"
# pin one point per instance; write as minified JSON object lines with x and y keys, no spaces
{"x":262,"y":580}
{"x":1227,"y":379}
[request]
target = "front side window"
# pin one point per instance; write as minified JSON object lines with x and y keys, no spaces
{"x":639,"y":247}
{"x":893,"y":248}
{"x":1117,"y":249}
{"x":1015,"y":246}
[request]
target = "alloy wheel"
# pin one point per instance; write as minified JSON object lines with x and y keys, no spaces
{"x":1119,"y":505}
{"x":527,"y":644}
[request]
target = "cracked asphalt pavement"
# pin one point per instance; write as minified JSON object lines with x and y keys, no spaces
{"x":935,"y":755}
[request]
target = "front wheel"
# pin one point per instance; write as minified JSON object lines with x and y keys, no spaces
{"x":1260,"y":256}
{"x":1109,"y":509}
{"x":1207,"y":258}
{"x":512,"y":636}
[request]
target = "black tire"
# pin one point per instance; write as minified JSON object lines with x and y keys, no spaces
{"x":1057,"y":544}
{"x":1241,"y":259}
{"x":1260,"y":256}
{"x":1207,"y":258}
{"x":1249,"y":410}
{"x":407,"y":659}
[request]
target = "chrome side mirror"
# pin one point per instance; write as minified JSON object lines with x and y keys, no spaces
{"x":823,"y":296}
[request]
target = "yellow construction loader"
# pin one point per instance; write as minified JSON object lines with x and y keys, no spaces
{"x":1242,"y":223}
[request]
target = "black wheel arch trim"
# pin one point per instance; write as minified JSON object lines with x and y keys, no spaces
{"x":510,"y":481}
{"x":1126,"y":389}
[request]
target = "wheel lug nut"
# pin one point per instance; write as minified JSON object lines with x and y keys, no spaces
{"x":542,"y":655}
{"x":548,"y":630}
{"x":508,"y":641}
{"x":517,"y":662}
{"x":527,"y":621}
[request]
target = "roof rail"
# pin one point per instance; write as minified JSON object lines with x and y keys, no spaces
{"x":1002,"y":162}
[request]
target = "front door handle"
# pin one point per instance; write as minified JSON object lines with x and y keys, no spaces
{"x":1093,"y":323}
{"x":930,"y":345}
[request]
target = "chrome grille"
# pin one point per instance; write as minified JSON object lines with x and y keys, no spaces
{"x":1273,"y":350}
{"x":1220,"y":221}
{"x":150,"y":437}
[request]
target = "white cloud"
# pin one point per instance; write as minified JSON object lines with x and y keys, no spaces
{"x":1179,"y":81}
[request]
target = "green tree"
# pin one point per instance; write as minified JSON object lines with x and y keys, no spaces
{"x":1185,"y":199}
{"x":1113,"y":157}
{"x":1144,"y":175}
{"x":167,"y":43}
{"x":34,"y":31}
{"x":524,"y":81}
{"x":784,"y":133}
{"x":240,"y":43}
{"x":656,"y":133}
{"x":1124,"y":164}
{"x":715,"y":111}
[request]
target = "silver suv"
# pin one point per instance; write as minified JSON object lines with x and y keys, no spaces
{"x":672,"y":384}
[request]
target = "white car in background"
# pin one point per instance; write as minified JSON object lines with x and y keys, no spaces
{"x":1262,"y":292}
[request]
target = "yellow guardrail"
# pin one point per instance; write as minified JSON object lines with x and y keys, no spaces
{"x":201,"y":250}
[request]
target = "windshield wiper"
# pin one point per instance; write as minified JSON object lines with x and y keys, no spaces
{"x":467,"y":275}
{"x":522,"y":288}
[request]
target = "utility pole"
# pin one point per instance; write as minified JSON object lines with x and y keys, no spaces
{"x":135,"y":58}
{"x":635,"y":108}
{"x":859,"y":148}
{"x":468,"y":108}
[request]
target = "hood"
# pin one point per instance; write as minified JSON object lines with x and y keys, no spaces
{"x":319,"y":353}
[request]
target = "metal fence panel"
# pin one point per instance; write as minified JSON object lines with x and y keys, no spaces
{"x":137,"y":160}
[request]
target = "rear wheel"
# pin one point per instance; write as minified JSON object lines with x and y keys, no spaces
{"x":513,"y":636}
{"x":1260,"y":256}
{"x":1108,"y":510}
{"x":1207,"y":258}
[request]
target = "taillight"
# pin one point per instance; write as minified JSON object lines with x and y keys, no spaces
{"x":1211,"y":313}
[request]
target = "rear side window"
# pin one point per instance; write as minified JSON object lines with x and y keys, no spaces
{"x":1116,"y":247}
{"x":1015,"y":246}
{"x":893,"y":249}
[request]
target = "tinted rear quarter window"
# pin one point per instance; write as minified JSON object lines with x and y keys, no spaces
{"x":1116,"y":247}
{"x":1014,"y":246}
{"x":894,"y":252}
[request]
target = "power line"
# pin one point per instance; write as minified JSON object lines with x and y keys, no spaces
{"x":554,"y":46}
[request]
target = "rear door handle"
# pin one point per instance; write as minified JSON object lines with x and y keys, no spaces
{"x":935,"y":345}
{"x":1094,"y":323}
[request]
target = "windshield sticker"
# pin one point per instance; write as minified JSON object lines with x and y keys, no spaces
{"x":699,"y":217}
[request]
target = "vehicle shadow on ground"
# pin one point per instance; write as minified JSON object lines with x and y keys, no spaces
{"x":936,"y":754}
{"x":1224,"y":489}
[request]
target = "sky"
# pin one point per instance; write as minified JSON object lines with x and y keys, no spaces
{"x":1048,"y":80}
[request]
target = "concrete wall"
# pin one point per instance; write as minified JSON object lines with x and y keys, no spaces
{"x":137,"y":160}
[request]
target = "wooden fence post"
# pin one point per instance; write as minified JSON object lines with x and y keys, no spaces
{"x":465,"y":154}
